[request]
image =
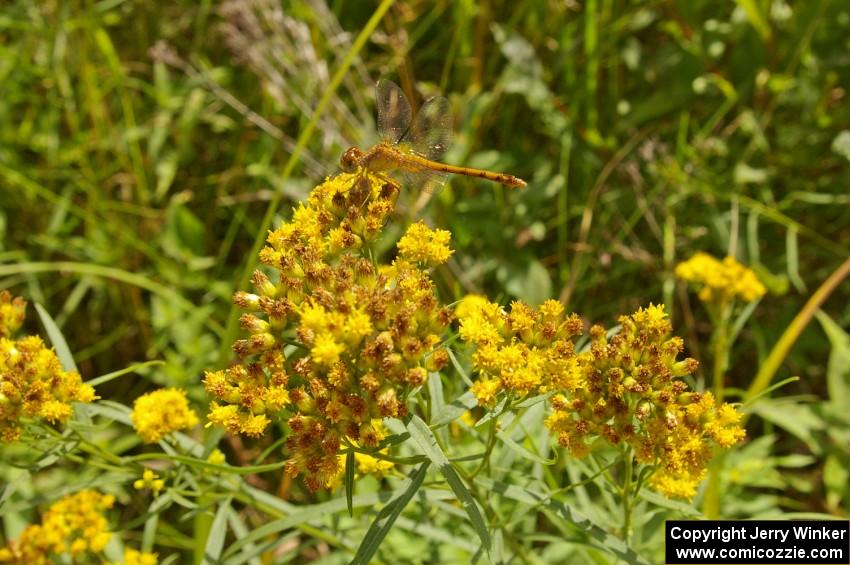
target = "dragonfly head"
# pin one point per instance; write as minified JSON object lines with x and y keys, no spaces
{"x":350,"y":160}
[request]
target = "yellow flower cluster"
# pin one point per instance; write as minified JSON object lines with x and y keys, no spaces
{"x":32,"y":381}
{"x":368,"y":465}
{"x":519,"y":352}
{"x":630,"y":391}
{"x":720,"y":281}
{"x":689,"y":427}
{"x":135,"y":557}
{"x":361,"y":335}
{"x":158,"y":413}
{"x":12,"y":313}
{"x":75,"y":525}
{"x":425,"y":245}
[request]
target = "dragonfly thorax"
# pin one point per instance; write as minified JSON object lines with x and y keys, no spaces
{"x":350,"y":160}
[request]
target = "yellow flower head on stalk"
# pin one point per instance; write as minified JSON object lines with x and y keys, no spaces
{"x":161,"y":412}
{"x":520,"y":352}
{"x":32,"y":381}
{"x":135,"y":557}
{"x":360,"y":336}
{"x":631,"y":391}
{"x":720,"y":282}
{"x":149,"y":480}
{"x":74,"y":526}
{"x":12,"y":313}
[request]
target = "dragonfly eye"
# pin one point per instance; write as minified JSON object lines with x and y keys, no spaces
{"x":350,"y":160}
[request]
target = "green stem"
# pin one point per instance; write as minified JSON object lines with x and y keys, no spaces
{"x":627,"y":493}
{"x":491,"y":443}
{"x":720,"y":352}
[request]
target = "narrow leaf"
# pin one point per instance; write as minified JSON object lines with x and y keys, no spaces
{"x":215,"y":538}
{"x":56,"y":339}
{"x":350,"y":460}
{"x":120,"y":373}
{"x":604,"y":541}
{"x":838,"y":367}
{"x":387,"y":516}
{"x":423,"y":436}
{"x":453,"y":411}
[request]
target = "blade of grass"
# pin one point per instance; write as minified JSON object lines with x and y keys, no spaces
{"x":109,"y":273}
{"x":777,"y":355}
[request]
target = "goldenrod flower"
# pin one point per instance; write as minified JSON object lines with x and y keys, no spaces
{"x":134,"y":557}
{"x":216,"y":457}
{"x":424,"y":245}
{"x":720,"y":282}
{"x":161,"y":412}
{"x":522,"y":351}
{"x":32,"y":381}
{"x":368,"y":465}
{"x":149,"y":480}
{"x":366,"y":334}
{"x":71,"y":527}
{"x":12,"y":313}
{"x":631,"y":391}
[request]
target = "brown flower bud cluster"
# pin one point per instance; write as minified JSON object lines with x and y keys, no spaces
{"x":632,"y":392}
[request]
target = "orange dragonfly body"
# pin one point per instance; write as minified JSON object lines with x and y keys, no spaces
{"x":412,"y":151}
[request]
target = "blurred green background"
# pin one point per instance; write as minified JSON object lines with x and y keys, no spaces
{"x":142,"y":143}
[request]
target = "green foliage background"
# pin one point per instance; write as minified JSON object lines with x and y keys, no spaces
{"x":142,"y":143}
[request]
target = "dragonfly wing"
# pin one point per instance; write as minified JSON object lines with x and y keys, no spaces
{"x":394,"y":112}
{"x":432,"y":133}
{"x":424,"y":180}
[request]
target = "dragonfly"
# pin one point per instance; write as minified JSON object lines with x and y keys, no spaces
{"x":412,"y":150}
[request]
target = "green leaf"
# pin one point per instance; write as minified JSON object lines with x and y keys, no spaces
{"x":523,"y":451}
{"x":215,"y":538}
{"x":838,"y":368}
{"x":794,"y":417}
{"x":455,"y":410}
{"x":149,"y":532}
{"x":604,"y":541}
{"x":385,"y":519}
{"x":435,"y":393}
{"x":56,"y":339}
{"x":111,"y":410}
{"x":422,"y":435}
{"x":184,"y":233}
{"x":292,"y":516}
{"x":350,"y":460}
{"x":686,"y":510}
{"x":533,"y":286}
{"x":120,"y":373}
{"x":835,"y":478}
{"x":460,"y":370}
